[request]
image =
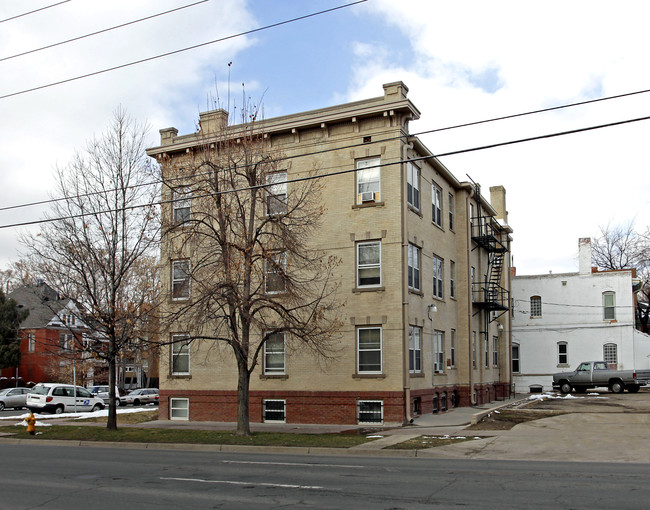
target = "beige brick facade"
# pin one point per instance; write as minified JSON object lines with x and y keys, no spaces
{"x":332,"y":141}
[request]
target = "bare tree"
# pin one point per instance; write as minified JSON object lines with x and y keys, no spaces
{"x":622,"y":247}
{"x":243,"y":269}
{"x":99,"y":232}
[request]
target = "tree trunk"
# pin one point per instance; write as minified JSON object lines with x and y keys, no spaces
{"x":243,"y":384}
{"x":111,"y":423}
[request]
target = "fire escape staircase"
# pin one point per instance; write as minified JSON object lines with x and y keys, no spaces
{"x":489,"y":295}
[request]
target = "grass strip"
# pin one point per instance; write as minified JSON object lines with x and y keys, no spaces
{"x":185,"y":436}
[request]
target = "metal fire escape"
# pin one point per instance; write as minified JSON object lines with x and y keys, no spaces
{"x":488,"y":234}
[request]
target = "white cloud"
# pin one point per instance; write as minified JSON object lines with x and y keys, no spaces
{"x":478,"y":60}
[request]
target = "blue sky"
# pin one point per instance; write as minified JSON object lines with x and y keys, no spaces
{"x":462,"y":61}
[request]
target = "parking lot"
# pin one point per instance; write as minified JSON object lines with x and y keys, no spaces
{"x":598,"y":426}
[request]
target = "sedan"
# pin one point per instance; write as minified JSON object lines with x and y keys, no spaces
{"x":141,"y":396}
{"x":13,"y":397}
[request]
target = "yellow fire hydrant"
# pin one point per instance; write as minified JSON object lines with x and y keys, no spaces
{"x":31,"y":424}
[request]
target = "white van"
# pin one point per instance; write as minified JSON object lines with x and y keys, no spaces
{"x":58,"y":398}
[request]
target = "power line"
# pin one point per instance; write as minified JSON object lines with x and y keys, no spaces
{"x":175,"y":52}
{"x":383,"y":140}
{"x":32,"y":12}
{"x":329,"y":174}
{"x":101,"y":31}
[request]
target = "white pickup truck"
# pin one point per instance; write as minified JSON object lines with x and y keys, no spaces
{"x":596,"y":374}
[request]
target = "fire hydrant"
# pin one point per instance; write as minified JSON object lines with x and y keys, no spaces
{"x":31,"y":424}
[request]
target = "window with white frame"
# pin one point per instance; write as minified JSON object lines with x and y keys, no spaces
{"x":65,"y":341}
{"x":413,"y":267}
{"x":369,"y":264}
{"x":274,"y":354}
{"x":515,"y":358}
{"x":437,"y":277}
{"x":275,"y":411}
{"x":471,"y":219}
{"x":31,"y":342}
{"x":370,"y":411}
{"x":180,"y":280}
{"x":274,"y":273}
{"x":182,"y":205}
{"x":609,"y":306}
{"x":495,"y":351}
{"x":179,"y":408}
{"x":535,"y":306}
{"x":452,"y":347}
{"x":438,"y":352}
{"x":368,"y":180}
{"x":180,"y":355}
{"x":610,"y":354}
{"x":452,"y":278}
{"x":562,"y":353}
{"x":369,"y":350}
{"x":451,"y":211}
{"x":436,"y":205}
{"x":415,"y":349}
{"x":413,"y":186}
{"x":276,"y":193}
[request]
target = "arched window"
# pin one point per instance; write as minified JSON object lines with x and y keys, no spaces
{"x":535,"y":306}
{"x":562,"y":353}
{"x":609,"y":306}
{"x":610,"y":354}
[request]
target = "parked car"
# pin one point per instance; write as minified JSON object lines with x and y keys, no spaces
{"x":98,"y":389}
{"x":58,"y":398}
{"x":119,"y":395}
{"x":595,"y":374}
{"x":13,"y":398}
{"x":141,"y":396}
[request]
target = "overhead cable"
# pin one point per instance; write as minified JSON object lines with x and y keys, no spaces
{"x":32,"y":12}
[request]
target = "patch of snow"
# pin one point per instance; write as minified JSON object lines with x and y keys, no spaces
{"x":373,"y":437}
{"x":89,"y":414}
{"x":37,"y":424}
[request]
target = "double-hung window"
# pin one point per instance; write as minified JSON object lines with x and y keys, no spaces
{"x":515,"y":358}
{"x":368,"y":180}
{"x":369,"y":264}
{"x":275,"y":411}
{"x":413,"y":186}
{"x":370,"y":411}
{"x":31,"y":347}
{"x":438,"y":352}
{"x":274,"y":360}
{"x":451,"y":211}
{"x":487,"y":352}
{"x":474,"y":362}
{"x":562,"y":353}
{"x":276,"y":193}
{"x":274,"y":273}
{"x":413,"y":267}
{"x":452,"y":278}
{"x":436,"y":205}
{"x":437,"y":277}
{"x":415,"y":349}
{"x":180,"y":279}
{"x":609,"y":306}
{"x":369,"y":350}
{"x":65,"y":342}
{"x":180,"y":353}
{"x":452,"y":347}
{"x":179,"y":408}
{"x":495,"y":351}
{"x":182,"y":205}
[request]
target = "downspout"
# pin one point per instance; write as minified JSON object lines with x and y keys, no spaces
{"x":405,"y":342}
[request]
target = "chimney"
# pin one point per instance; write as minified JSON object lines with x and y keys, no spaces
{"x":213,"y":121}
{"x":584,"y":255}
{"x":498,"y":202}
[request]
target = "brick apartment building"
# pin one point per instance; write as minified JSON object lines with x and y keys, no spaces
{"x":424,"y":277}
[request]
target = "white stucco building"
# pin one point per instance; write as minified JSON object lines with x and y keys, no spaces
{"x":560,"y":320}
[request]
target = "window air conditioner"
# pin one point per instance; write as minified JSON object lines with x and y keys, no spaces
{"x":367,"y":196}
